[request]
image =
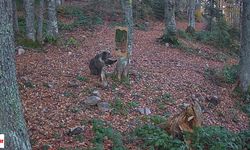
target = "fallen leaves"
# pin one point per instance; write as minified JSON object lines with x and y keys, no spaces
{"x":156,"y":69}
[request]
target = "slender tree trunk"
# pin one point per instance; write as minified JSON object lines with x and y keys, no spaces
{"x":123,"y":9}
{"x":30,"y":19}
{"x":191,"y":17}
{"x":210,"y":17}
{"x":245,"y":48}
{"x":52,"y":27}
{"x":15,"y":18}
{"x":40,"y":22}
{"x":178,"y":8}
{"x":122,"y":66}
{"x":12,"y":123}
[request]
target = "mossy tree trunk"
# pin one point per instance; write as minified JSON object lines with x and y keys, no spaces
{"x":122,"y":66}
{"x":15,"y":18}
{"x":170,"y":23}
{"x":30,"y":19}
{"x":245,"y":48}
{"x":191,"y":17}
{"x":40,"y":22}
{"x":52,"y":27}
{"x":12,"y":123}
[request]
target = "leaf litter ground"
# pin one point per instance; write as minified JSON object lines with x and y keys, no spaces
{"x":61,"y":81}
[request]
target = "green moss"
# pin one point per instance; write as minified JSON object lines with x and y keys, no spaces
{"x":28,"y":43}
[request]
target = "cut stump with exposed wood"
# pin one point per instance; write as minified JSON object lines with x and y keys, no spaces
{"x":121,"y":51}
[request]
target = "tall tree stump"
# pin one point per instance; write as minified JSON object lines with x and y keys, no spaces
{"x":121,"y":51}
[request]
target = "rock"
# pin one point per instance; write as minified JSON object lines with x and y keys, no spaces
{"x":96,"y":93}
{"x":178,"y":64}
{"x":73,"y":84}
{"x":183,"y":105}
{"x":75,"y":131}
{"x":20,"y":51}
{"x":144,"y":111}
{"x":92,"y":100}
{"x":104,"y":106}
{"x":198,"y":97}
{"x":167,"y":44}
{"x":213,"y":100}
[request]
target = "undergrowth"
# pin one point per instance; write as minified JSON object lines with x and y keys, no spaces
{"x":228,"y":74}
{"x":103,"y":131}
{"x":80,"y":18}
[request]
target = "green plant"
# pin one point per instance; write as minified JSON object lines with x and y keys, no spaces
{"x":71,"y":41}
{"x":56,"y":135}
{"x":102,"y":130}
{"x":157,"y":119}
{"x":231,"y":73}
{"x":74,"y":110}
{"x":156,"y":138}
{"x":170,"y":39}
{"x":133,"y":104}
{"x":184,"y":34}
{"x":166,"y":98}
{"x":69,"y":94}
{"x":82,"y":78}
{"x":245,"y":138}
{"x":119,"y":107}
{"x":78,"y":137}
{"x":28,"y":43}
{"x":50,"y":39}
{"x":215,"y":138}
{"x":45,"y":147}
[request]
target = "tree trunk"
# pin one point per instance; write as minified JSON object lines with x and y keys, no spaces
{"x":30,"y":19}
{"x":198,"y":14}
{"x":52,"y":27}
{"x":211,"y":15}
{"x":170,"y":24}
{"x":40,"y":22}
{"x":169,"y":35}
{"x":59,"y":2}
{"x":12,"y":123}
{"x":245,"y":48}
{"x":122,"y":66}
{"x":178,"y":12}
{"x":191,"y":17}
{"x":15,"y":18}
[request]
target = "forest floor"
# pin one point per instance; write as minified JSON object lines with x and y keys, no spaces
{"x":55,"y":83}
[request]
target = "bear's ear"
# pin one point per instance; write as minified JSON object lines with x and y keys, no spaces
{"x":110,"y":61}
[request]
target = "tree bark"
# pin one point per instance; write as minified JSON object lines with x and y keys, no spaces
{"x":15,"y":18}
{"x":12,"y":123}
{"x":30,"y":19}
{"x":122,"y":66}
{"x":170,"y":24}
{"x":245,"y":48}
{"x":191,"y":17}
{"x":52,"y":27}
{"x":59,"y":2}
{"x":169,"y":35}
{"x":40,"y":22}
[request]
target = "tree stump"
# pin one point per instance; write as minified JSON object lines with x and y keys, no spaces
{"x":121,"y":51}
